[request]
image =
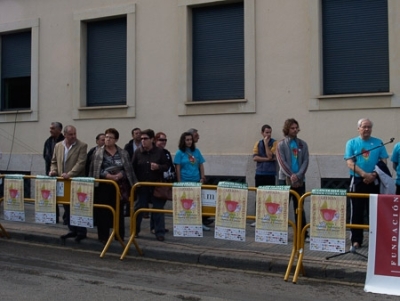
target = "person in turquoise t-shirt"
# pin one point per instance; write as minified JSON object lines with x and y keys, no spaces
{"x":362,"y":175}
{"x":189,"y":162}
{"x":396,"y":165}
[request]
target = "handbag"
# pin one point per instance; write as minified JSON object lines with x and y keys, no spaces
{"x":163,"y":193}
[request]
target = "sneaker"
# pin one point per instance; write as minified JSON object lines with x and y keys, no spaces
{"x":307,"y":240}
{"x":205,"y":228}
{"x":253,"y":224}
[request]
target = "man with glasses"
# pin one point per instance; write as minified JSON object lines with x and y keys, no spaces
{"x":149,"y":164}
{"x":361,"y":163}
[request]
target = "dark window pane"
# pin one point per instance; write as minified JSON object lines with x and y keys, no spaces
{"x":16,"y":93}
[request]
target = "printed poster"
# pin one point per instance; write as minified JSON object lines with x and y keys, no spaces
{"x":383,"y":269}
{"x":272,"y":210}
{"x":186,"y":202}
{"x":82,"y":202}
{"x":45,"y":200}
{"x":14,"y":209}
{"x":328,"y":220}
{"x":230,"y":215}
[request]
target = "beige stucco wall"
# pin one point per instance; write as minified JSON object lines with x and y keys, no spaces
{"x":287,"y":84}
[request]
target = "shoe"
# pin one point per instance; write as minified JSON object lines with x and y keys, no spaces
{"x":205,"y":228}
{"x":68,"y":235}
{"x":307,"y":240}
{"x":354,"y":247}
{"x":207,"y":222}
{"x":79,"y":237}
{"x":253,"y":224}
{"x":154,"y":231}
{"x":160,"y":238}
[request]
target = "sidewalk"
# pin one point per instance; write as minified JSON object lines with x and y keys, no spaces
{"x":249,"y":255}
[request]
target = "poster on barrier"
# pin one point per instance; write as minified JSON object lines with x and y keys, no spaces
{"x":383,"y":268}
{"x":82,"y":202}
{"x":230,"y":215}
{"x":45,"y":200}
{"x":328,"y":220}
{"x":272,"y":210}
{"x":186,"y":203}
{"x":14,"y":209}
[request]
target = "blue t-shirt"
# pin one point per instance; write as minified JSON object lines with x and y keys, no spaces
{"x":368,"y":159}
{"x":396,"y":159}
{"x":189,"y":163}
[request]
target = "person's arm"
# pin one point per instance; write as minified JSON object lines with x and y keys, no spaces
{"x":282,"y":160}
{"x":257,"y":158}
{"x":178,"y":172}
{"x":368,"y":177}
{"x":202,"y":175}
{"x":304,"y":164}
{"x":53,"y":166}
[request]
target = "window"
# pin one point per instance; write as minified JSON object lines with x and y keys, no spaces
{"x":218,"y":52}
{"x":106,"y":62}
{"x":104,"y":84}
{"x":355,"y":46}
{"x":16,"y":71}
{"x":19,"y":71}
{"x":217,"y":57}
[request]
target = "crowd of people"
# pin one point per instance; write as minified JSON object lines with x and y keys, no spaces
{"x":145,"y":158}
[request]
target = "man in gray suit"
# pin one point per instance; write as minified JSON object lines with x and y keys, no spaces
{"x":69,"y":159}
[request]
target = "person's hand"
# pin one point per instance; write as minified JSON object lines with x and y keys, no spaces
{"x":65,"y":176}
{"x":369,"y":178}
{"x":52,"y":173}
{"x":154,"y":166}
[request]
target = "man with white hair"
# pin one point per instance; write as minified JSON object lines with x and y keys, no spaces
{"x":361,"y":155}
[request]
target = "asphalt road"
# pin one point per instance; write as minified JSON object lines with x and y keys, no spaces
{"x":41,"y":272}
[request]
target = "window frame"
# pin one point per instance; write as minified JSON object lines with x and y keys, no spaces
{"x":185,"y":105}
{"x":80,"y":108}
{"x":320,"y":102}
{"x":24,"y":115}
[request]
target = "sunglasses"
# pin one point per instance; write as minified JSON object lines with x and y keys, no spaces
{"x":162,"y":140}
{"x":144,"y":138}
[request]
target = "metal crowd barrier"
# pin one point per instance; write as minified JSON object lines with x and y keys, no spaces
{"x":66,"y":200}
{"x":206,"y":211}
{"x":302,"y":232}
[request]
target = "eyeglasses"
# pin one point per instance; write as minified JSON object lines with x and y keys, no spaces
{"x":144,"y":138}
{"x":108,"y":137}
{"x":162,"y":140}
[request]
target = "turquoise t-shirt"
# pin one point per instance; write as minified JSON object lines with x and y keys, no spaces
{"x":293,"y":153}
{"x":189,"y":163}
{"x":368,"y":159}
{"x":396,"y":159}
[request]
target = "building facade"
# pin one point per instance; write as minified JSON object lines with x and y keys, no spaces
{"x":222,"y":67}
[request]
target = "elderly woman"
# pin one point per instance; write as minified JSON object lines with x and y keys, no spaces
{"x":111,"y":162}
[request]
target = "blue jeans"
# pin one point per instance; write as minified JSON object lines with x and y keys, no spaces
{"x":144,"y":195}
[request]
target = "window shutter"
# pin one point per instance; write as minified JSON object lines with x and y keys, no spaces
{"x":16,"y":55}
{"x":218,"y":52}
{"x":355,"y":46}
{"x":106,"y":62}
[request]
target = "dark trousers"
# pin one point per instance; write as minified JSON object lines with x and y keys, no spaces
{"x":360,"y":206}
{"x":73,"y":229}
{"x":300,"y":190}
{"x":265,"y":180}
{"x":103,"y":218}
{"x":144,"y":196}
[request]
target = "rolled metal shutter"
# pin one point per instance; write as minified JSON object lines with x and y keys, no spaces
{"x":218,"y":52}
{"x":355,"y":46}
{"x":106,"y":62}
